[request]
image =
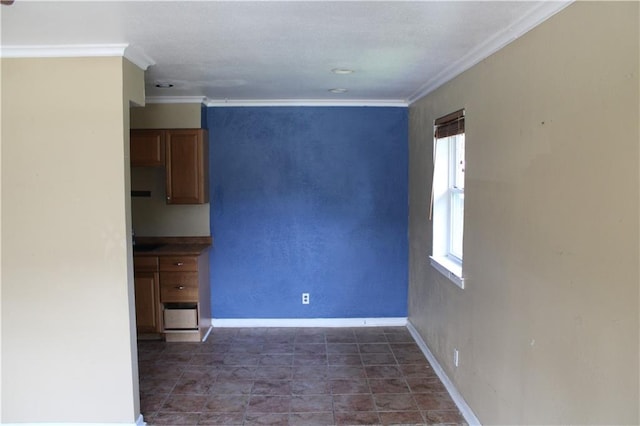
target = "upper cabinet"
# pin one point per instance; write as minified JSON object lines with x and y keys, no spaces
{"x":147,"y":148}
{"x":185,"y":155}
{"x":186,"y":161}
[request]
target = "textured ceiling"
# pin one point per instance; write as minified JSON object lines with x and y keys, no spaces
{"x":270,"y":51}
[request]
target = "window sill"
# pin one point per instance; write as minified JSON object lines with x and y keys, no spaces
{"x":449,"y":268}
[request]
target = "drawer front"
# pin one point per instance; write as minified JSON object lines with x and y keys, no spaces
{"x":145,"y":263}
{"x":178,"y":263}
{"x":178,"y":287}
{"x":180,"y":319}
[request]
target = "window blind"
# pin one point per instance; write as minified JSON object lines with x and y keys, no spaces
{"x":449,"y":125}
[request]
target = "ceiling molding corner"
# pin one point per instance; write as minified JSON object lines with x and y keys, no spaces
{"x":535,"y":17}
{"x":136,"y":55}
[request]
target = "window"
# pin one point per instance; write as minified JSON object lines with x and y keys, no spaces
{"x":447,"y":196}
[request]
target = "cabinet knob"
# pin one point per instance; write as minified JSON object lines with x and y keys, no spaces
{"x":179,"y":263}
{"x":180,"y":287}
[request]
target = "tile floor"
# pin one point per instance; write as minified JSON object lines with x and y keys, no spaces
{"x":292,"y":376}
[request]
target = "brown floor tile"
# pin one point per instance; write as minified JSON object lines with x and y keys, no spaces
{"x":302,"y":359}
{"x":404,"y":418}
{"x":342,"y":348}
{"x":346,"y":372}
{"x":368,"y":348}
{"x":378,"y":359}
{"x":293,"y":376}
{"x":395,"y":402}
{"x":434,"y":401}
{"x":173,"y":419}
{"x":444,"y":417}
{"x":231,"y":387}
{"x":311,"y":403}
{"x":276,"y":359}
{"x":417,"y":370}
{"x":350,"y":386}
{"x":152,"y":403}
{"x":311,"y":419}
{"x":345,"y":359}
{"x":269,"y":404}
{"x":425,"y":385}
{"x":274,"y":373}
{"x":352,"y":403}
{"x":237,"y":373}
{"x":383,"y":371}
{"x":226,"y":403}
{"x":388,"y":386}
{"x":194,"y":385}
{"x":312,"y":372}
{"x":221,"y":419}
{"x":357,"y":418}
{"x":310,"y":387}
{"x":271,"y":387}
{"x":266,"y":419}
{"x":183,"y":404}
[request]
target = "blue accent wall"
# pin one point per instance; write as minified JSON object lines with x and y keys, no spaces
{"x":308,"y":199}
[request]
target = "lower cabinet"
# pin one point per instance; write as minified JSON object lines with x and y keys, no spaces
{"x":172,"y":296}
{"x":147,"y":288}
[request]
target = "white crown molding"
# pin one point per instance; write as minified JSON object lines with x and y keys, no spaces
{"x":175,"y":100}
{"x":309,"y":322}
{"x":136,"y":55}
{"x":535,"y":17}
{"x":132,"y":53}
{"x":306,"y":102}
{"x":462,"y":405}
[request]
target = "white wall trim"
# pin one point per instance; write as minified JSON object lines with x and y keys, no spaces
{"x":176,"y":100}
{"x":538,"y":14}
{"x":74,"y":424}
{"x":132,"y":53}
{"x":309,"y":322}
{"x":402,"y":103}
{"x":464,"y":408}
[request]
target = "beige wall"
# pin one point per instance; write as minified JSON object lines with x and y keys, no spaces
{"x":153,"y":216}
{"x":547,"y":327}
{"x":68,"y":347}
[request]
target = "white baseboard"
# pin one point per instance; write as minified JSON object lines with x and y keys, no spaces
{"x":464,"y":408}
{"x":309,"y":322}
{"x":139,"y":422}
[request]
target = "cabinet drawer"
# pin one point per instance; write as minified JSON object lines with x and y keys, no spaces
{"x":145,"y":263}
{"x":178,"y":263}
{"x":180,"y":319}
{"x":178,"y":287}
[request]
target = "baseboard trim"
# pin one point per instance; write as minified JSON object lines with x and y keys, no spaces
{"x":464,"y":408}
{"x":308,"y":322}
{"x":140,"y":421}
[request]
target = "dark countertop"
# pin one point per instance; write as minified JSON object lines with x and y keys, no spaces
{"x":171,"y":246}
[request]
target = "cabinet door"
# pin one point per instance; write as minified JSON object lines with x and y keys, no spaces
{"x":147,"y":307}
{"x":187,"y":166}
{"x":147,"y":148}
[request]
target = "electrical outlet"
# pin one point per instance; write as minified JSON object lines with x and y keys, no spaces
{"x":305,"y":298}
{"x":455,"y":357}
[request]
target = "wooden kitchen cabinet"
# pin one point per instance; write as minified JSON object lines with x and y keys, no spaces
{"x":185,"y":297}
{"x":147,"y":286}
{"x":147,"y":148}
{"x":186,"y":161}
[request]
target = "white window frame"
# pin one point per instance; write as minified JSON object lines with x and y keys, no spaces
{"x":445,"y":258}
